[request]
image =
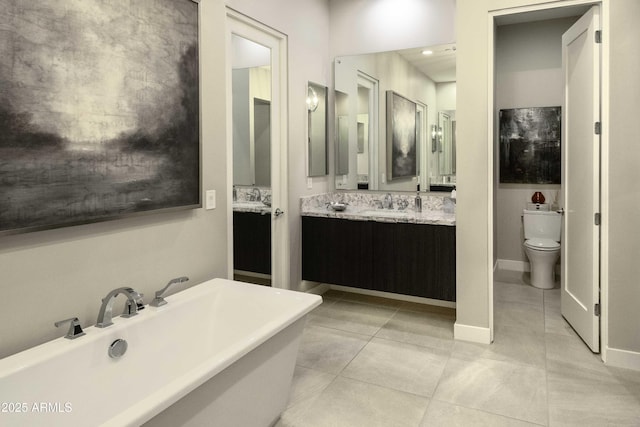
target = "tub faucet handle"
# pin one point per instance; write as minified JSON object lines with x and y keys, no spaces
{"x":158,"y":300}
{"x":75,"y":330}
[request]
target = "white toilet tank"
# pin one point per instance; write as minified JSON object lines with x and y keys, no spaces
{"x":542,"y":225}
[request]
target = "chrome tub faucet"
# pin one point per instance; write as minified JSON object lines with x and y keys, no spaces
{"x":158,"y":300}
{"x":133,"y":305}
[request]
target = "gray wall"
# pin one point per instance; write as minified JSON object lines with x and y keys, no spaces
{"x":528,"y":74}
{"x":620,"y":201}
{"x":624,"y":179}
{"x":56,"y":274}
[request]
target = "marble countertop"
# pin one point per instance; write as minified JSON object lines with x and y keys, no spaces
{"x":438,"y":217}
{"x":255,"y":207}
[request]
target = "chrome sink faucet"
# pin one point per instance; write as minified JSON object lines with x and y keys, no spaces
{"x":158,"y":300}
{"x":387,"y":202}
{"x":133,"y":305}
{"x":255,"y":195}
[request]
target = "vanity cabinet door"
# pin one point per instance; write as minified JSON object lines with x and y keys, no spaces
{"x":252,"y":242}
{"x":336,"y":251}
{"x":414,"y":259}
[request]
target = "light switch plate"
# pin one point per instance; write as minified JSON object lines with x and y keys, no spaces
{"x":309,"y":183}
{"x":210,"y":203}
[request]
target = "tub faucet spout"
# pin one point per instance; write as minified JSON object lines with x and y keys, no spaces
{"x":133,"y":305}
{"x":158,"y":300}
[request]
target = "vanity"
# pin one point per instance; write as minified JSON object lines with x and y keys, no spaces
{"x":252,"y":230}
{"x":391,"y":250}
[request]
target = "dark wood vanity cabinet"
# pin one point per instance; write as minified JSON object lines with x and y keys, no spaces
{"x":410,"y":259}
{"x":252,"y":242}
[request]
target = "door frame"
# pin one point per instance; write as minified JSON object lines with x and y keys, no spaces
{"x":604,"y":154}
{"x":244,"y":26}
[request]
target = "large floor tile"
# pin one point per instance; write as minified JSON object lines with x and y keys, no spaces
{"x":519,"y":315}
{"x":350,"y":403}
{"x":524,"y":294}
{"x":587,"y":397}
{"x":554,"y":323}
{"x":425,"y":329}
{"x":328,"y":350}
{"x":552,"y":300}
{"x":510,"y":345}
{"x":503,"y":388}
{"x":400,"y":366}
{"x":307,"y":383}
{"x":351,"y":316}
{"x":572,"y":350}
{"x":443,"y":414}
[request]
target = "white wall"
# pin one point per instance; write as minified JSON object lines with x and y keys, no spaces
{"x":446,"y":97}
{"x":528,"y":70}
{"x":56,"y":274}
{"x":306,"y":24}
{"x":365,"y":26}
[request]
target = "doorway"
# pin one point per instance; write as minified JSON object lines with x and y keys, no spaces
{"x":257,"y":193}
{"x":524,"y":76}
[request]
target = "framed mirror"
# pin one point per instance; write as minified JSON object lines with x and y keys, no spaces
{"x":317,"y":130}
{"x":366,"y":130}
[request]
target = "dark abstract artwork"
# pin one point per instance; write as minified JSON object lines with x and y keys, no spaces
{"x":99,"y":110}
{"x":401,"y":137}
{"x":530,"y":145}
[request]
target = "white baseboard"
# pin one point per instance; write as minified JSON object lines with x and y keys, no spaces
{"x":623,"y":359}
{"x":509,"y":264}
{"x":471,"y":333}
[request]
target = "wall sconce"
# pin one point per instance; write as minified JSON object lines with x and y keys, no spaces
{"x":434,"y":138}
{"x":312,"y":99}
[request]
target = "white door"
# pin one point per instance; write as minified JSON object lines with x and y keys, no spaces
{"x":276,"y":43}
{"x":580,"y":258}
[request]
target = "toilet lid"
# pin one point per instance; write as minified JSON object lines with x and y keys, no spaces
{"x":542,"y":244}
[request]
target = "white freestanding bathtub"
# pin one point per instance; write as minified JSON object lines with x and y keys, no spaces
{"x":221,"y":353}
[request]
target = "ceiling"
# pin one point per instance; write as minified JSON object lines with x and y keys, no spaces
{"x":440,"y":66}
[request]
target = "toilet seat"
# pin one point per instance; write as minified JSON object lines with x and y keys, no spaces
{"x":542,"y":244}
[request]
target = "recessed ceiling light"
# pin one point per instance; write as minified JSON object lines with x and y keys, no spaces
{"x":427,"y":52}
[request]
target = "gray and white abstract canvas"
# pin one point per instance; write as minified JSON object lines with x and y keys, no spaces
{"x":99,"y":110}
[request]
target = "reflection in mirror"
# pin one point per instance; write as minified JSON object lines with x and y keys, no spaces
{"x":361,"y":134}
{"x":317,"y":129}
{"x":251,"y":82}
{"x":342,"y":134}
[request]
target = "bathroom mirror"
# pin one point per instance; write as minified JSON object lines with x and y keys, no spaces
{"x":251,"y":87}
{"x":363,"y":157}
{"x":317,"y":129}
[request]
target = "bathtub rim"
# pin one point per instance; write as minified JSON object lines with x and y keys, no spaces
{"x":171,"y":392}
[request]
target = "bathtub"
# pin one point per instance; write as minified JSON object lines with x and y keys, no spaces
{"x":220,"y":353}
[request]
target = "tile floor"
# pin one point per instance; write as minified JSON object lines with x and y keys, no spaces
{"x":367,"y":361}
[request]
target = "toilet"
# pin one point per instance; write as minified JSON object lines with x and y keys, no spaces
{"x":542,"y":245}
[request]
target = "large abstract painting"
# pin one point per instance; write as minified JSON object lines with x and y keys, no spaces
{"x":530,"y":145}
{"x":99,"y":110}
{"x":401,"y":137}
